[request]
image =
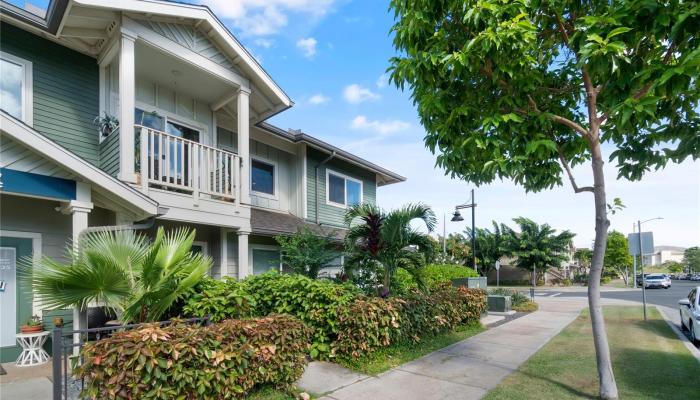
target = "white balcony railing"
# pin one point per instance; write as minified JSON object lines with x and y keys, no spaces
{"x":183,"y":165}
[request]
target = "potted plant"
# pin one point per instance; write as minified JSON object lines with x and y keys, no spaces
{"x":58,"y":322}
{"x":33,"y":325}
{"x":107,"y":124}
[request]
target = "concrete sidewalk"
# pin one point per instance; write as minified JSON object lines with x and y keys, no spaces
{"x":464,"y":370}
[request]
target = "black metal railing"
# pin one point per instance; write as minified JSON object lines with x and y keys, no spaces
{"x":67,"y":346}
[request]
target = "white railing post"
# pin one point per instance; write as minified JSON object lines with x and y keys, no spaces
{"x":144,"y":156}
{"x":196,"y":150}
{"x":236,"y":188}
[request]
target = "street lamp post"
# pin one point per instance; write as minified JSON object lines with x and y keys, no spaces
{"x":641,"y":264}
{"x":456,"y":217}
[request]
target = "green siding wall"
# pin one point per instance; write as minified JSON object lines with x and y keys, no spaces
{"x":328,"y":214}
{"x":109,"y":154}
{"x":66,"y":90}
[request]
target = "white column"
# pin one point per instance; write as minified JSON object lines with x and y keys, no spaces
{"x":244,"y":142}
{"x":79,"y":209}
{"x":127,"y":94}
{"x":223,"y":270}
{"x":244,"y":268}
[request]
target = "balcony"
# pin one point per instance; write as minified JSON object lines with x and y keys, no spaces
{"x":174,"y":164}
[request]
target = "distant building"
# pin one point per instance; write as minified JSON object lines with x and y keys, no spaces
{"x":664,"y":253}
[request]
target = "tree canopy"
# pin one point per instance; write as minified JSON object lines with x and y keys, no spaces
{"x":691,"y":258}
{"x":306,"y":252}
{"x":617,"y":257}
{"x":491,"y":245}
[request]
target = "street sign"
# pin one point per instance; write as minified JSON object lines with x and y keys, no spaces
{"x":647,"y":243}
{"x":498,"y":265}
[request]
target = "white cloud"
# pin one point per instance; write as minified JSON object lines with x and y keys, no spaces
{"x":356,"y":94}
{"x":267,"y":17}
{"x":307,"y":46}
{"x":383,"y":80}
{"x":318,"y":99}
{"x":386,"y":127}
{"x":265,"y":43}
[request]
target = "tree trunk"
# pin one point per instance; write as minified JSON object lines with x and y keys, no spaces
{"x":608,"y":387}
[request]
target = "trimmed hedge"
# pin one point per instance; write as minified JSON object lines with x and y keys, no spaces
{"x":371,"y":323}
{"x":437,"y":274}
{"x":343,"y":322}
{"x":181,"y":361}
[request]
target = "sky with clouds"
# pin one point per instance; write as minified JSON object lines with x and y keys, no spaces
{"x":331,"y":57}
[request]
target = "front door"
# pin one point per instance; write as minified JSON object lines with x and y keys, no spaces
{"x":15,"y":300}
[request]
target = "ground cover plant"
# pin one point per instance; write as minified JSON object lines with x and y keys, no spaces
{"x":221,"y":361}
{"x":648,"y":359}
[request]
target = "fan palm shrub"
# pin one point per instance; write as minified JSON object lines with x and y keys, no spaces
{"x":382,"y":241}
{"x":123,"y":271}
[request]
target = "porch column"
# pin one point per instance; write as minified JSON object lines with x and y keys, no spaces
{"x":79,"y":209}
{"x":127,"y":94}
{"x":244,"y":142}
{"x":223,"y":270}
{"x":243,"y":266}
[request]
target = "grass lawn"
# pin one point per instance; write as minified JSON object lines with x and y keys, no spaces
{"x":649,"y":362}
{"x":395,"y":355}
{"x":269,"y":393}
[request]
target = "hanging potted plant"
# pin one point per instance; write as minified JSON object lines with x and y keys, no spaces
{"x":107,"y":124}
{"x":33,"y":325}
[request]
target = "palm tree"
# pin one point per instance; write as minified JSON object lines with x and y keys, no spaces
{"x":123,"y":271}
{"x":490,"y":245}
{"x":537,"y":247}
{"x":387,"y":240}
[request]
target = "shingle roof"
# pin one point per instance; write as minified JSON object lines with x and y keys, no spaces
{"x":271,"y":223}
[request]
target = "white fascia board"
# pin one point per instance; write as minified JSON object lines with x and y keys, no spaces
{"x":180,"y":10}
{"x":53,"y":152}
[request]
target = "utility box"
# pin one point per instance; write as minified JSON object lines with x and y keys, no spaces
{"x":472,"y":283}
{"x":499,"y":303}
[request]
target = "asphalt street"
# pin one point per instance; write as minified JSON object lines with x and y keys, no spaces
{"x":663,"y":297}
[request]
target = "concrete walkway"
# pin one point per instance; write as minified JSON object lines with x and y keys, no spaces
{"x":464,"y":370}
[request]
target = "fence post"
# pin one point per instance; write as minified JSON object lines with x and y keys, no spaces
{"x":56,"y":353}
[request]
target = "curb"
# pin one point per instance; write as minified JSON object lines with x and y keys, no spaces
{"x":693,"y":350}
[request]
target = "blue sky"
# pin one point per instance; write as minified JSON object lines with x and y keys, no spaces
{"x":330,"y":57}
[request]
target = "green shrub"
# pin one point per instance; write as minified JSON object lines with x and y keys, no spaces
{"x":435,"y":274}
{"x":371,"y":323}
{"x":567,"y":282}
{"x":220,"y":300}
{"x":516,"y":297}
{"x":221,"y":361}
{"x":314,"y":302}
{"x":605,"y":280}
{"x":528,"y":306}
{"x":402,"y":282}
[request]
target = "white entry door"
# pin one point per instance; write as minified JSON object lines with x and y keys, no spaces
{"x":8,"y":296}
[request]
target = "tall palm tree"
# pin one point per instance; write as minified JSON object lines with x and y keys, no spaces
{"x":490,"y":245}
{"x":123,"y":271}
{"x":387,"y":240}
{"x":537,"y":247}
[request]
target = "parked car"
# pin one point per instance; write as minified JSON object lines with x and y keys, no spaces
{"x":690,"y":314}
{"x":657,"y":280}
{"x":695,"y":277}
{"x":639,"y":279}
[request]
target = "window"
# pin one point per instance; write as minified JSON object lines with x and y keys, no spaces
{"x":265,"y":260}
{"x":263,"y":177}
{"x":16,"y":87}
{"x":342,"y":190}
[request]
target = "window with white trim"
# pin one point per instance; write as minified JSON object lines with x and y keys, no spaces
{"x":342,"y":190}
{"x":262,"y":177}
{"x":16,"y":97}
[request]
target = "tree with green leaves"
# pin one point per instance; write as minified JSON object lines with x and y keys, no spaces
{"x":537,"y":247}
{"x":583,"y":257}
{"x":617,"y":256}
{"x":673,"y":267}
{"x":491,"y":245}
{"x":121,"y":270}
{"x":306,"y":252}
{"x":384,"y":241}
{"x":691,"y":258}
{"x":526,"y":89}
{"x":457,"y":250}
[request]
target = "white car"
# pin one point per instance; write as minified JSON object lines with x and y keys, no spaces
{"x":657,"y":280}
{"x":690,"y":314}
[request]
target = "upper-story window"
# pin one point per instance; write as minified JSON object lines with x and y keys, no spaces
{"x":342,"y":190}
{"x":262,"y":177}
{"x":16,"y":87}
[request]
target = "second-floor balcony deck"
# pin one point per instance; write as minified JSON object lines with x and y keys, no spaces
{"x":176,"y":164}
